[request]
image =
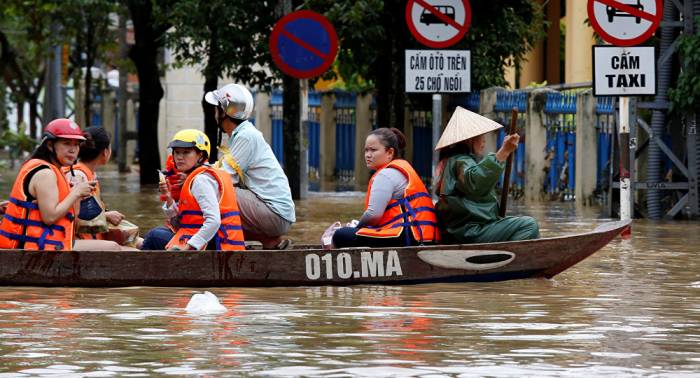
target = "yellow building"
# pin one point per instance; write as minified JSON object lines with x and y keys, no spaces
{"x":567,"y":24}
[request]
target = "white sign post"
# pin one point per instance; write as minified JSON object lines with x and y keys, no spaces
{"x":438,"y":71}
{"x":624,"y":71}
{"x":438,"y":24}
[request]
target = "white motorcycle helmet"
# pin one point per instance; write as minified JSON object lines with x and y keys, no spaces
{"x":235,"y":99}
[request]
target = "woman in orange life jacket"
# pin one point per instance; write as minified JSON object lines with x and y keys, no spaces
{"x":94,"y":152}
{"x":398,"y":208}
{"x":42,"y":208}
{"x":207,"y":211}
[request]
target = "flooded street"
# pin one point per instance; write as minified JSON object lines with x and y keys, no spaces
{"x":631,"y":309}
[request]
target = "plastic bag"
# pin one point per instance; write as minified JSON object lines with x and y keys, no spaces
{"x":89,"y":209}
{"x":352,"y":223}
{"x":96,"y":225}
{"x":327,"y":237}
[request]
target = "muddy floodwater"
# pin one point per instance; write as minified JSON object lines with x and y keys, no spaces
{"x":632,"y":309}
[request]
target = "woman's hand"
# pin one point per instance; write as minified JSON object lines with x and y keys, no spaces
{"x":114,"y":217}
{"x":3,"y":207}
{"x":83,"y":189}
{"x":163,"y":188}
{"x":510,"y":144}
{"x":185,"y":247}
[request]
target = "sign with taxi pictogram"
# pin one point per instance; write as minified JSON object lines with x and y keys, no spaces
{"x":303,"y":44}
{"x":625,"y":22}
{"x":438,"y":23}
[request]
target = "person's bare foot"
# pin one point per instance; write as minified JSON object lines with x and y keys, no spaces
{"x":271,"y":243}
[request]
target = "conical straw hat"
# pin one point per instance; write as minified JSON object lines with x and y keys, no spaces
{"x":464,"y":125}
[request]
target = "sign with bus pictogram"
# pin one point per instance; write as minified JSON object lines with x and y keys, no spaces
{"x":303,"y":44}
{"x":624,"y":71}
{"x":438,"y":23}
{"x":625,"y":22}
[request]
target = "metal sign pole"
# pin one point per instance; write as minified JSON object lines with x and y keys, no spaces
{"x":303,"y":142}
{"x":123,"y":114}
{"x":624,"y":138}
{"x":437,"y":124}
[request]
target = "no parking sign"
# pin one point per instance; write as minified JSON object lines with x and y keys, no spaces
{"x":303,"y":44}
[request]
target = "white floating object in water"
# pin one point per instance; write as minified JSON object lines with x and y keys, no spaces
{"x":202,"y":304}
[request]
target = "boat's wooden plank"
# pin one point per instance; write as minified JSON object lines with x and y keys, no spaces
{"x":305,"y":266}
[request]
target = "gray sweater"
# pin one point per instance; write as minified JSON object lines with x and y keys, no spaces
{"x":389,"y":183}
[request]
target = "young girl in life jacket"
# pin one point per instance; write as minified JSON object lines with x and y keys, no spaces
{"x":42,"y":208}
{"x":94,"y":153}
{"x":398,"y":208}
{"x":207,"y":210}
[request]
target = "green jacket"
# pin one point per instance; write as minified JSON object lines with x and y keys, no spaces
{"x":467,"y":193}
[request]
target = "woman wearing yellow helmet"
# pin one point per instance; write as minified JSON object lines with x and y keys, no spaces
{"x":207,"y":211}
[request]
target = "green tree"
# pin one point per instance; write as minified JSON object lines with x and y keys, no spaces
{"x":226,"y":38}
{"x":24,"y":41}
{"x":150,"y":20}
{"x":89,"y":25}
{"x":685,"y":96}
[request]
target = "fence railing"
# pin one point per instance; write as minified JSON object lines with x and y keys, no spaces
{"x":557,"y":144}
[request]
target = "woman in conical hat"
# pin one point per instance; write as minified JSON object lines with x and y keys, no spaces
{"x":467,"y":206}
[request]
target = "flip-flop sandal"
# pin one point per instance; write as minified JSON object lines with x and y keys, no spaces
{"x":285,"y":244}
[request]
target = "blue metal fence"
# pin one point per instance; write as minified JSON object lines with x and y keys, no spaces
{"x":345,"y":135}
{"x":276,"y":102}
{"x":505,"y":102}
{"x":314,"y":134}
{"x":560,"y":121}
{"x":605,"y":125}
{"x":422,"y":128}
{"x":473,"y":101}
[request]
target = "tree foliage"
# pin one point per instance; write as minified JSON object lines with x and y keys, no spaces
{"x":150,"y":19}
{"x":685,"y":97}
{"x":24,"y":39}
{"x":89,"y":25}
{"x":223,"y":38}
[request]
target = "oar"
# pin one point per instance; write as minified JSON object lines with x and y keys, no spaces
{"x":509,"y":164}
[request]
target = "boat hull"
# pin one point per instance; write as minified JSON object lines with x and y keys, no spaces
{"x":306,"y":265}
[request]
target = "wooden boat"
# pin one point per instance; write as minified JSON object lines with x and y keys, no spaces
{"x":306,"y":265}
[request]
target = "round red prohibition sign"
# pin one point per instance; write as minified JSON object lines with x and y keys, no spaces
{"x":303,"y":44}
{"x":438,"y":25}
{"x":625,"y":23}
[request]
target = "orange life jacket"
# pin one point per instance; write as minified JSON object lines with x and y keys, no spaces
{"x":230,"y":234}
{"x":22,"y":226}
{"x":415,"y":209}
{"x":80,"y":166}
{"x":90,"y":177}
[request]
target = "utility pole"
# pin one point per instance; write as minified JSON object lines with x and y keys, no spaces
{"x":54,"y":105}
{"x":122,"y":95}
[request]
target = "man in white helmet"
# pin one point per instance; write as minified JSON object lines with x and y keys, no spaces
{"x":262,"y":188}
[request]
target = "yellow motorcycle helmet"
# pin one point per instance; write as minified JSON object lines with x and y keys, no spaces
{"x":191,"y":138}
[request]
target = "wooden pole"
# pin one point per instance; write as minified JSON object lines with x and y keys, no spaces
{"x":512,"y":128}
